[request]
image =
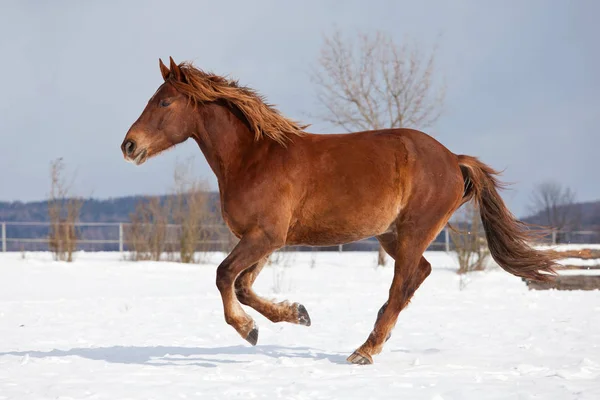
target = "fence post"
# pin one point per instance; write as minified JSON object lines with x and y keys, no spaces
{"x":121,"y":237}
{"x":447,"y":238}
{"x":4,"y":237}
{"x":553,"y":236}
{"x":340,"y":248}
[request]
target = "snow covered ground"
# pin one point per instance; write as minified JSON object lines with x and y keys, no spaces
{"x":103,"y":328}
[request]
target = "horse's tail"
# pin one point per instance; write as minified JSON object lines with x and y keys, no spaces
{"x":508,"y":238}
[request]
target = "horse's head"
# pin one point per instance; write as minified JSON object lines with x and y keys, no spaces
{"x":163,"y":123}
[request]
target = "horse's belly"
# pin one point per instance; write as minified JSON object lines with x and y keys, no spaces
{"x":322,"y":238}
{"x":331,"y":232}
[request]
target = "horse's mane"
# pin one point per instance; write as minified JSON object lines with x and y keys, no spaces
{"x":263,"y":118}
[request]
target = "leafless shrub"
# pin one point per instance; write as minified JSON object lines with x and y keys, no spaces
{"x":469,"y":241}
{"x":63,"y":212}
{"x":191,"y":213}
{"x":180,"y":228}
{"x":147,"y":233}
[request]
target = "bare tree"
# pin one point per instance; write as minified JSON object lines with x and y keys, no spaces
{"x":372,"y":82}
{"x":469,"y":241}
{"x":556,"y":207}
{"x":63,"y":212}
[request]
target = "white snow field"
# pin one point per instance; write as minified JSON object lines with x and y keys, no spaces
{"x":103,"y":328}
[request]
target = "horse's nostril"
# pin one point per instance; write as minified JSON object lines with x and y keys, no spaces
{"x":129,"y":147}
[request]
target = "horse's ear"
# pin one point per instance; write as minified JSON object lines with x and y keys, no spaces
{"x":164,"y":70}
{"x":175,"y":71}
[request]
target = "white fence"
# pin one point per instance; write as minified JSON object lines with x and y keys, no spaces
{"x":110,"y":236}
{"x":33,"y":236}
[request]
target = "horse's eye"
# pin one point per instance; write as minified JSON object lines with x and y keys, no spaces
{"x":164,"y":103}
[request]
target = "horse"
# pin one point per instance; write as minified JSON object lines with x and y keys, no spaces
{"x":281,"y":185}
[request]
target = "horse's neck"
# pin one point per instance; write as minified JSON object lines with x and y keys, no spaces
{"x":224,"y":140}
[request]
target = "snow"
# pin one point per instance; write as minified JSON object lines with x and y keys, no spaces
{"x":579,"y":272}
{"x":104,"y":328}
{"x":580,"y":262}
{"x":570,"y":246}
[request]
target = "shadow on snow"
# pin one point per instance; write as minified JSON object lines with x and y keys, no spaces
{"x":180,"y":356}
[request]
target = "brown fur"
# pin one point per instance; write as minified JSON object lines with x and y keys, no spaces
{"x":399,"y":185}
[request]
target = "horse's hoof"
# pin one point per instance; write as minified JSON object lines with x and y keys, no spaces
{"x":303,"y":317}
{"x":360,"y":359}
{"x":252,"y":337}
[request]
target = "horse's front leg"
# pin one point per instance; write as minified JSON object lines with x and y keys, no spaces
{"x":251,"y":248}
{"x":284,"y":311}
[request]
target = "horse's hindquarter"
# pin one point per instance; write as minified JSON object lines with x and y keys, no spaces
{"x":355,"y":186}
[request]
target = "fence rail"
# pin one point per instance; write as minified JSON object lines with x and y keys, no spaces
{"x":34,"y":236}
{"x":110,"y":236}
{"x":104,"y":236}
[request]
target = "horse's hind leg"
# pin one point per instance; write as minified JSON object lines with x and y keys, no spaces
{"x":410,"y":270}
{"x":404,"y":288}
{"x":423,"y":271}
{"x":389,"y":243}
{"x":276,"y":312}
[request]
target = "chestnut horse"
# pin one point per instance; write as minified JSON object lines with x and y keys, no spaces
{"x":280,"y":185}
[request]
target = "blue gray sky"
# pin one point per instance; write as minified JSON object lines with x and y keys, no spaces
{"x":522,"y":81}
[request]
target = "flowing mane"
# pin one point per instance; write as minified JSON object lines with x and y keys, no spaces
{"x":264,"y":118}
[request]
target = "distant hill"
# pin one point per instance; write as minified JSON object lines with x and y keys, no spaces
{"x":93,"y":210}
{"x":587,"y":223}
{"x":589,"y":219}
